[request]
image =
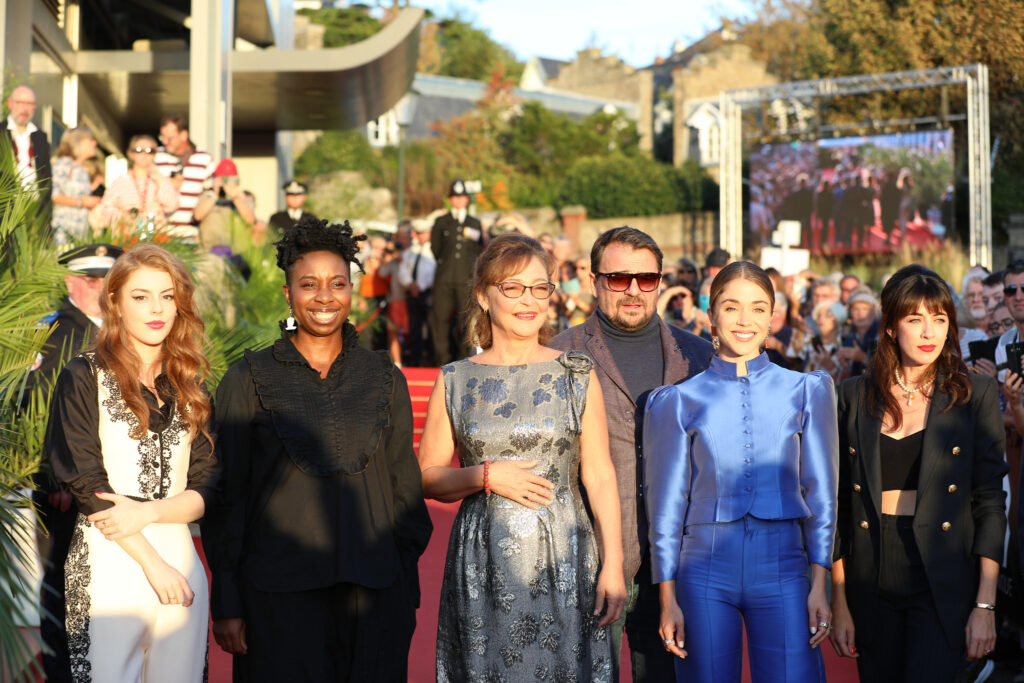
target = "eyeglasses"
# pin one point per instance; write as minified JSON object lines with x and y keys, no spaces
{"x":1011,"y":290}
{"x":144,"y":150}
{"x":619,"y":282}
{"x":514,"y":290}
{"x":996,"y":325}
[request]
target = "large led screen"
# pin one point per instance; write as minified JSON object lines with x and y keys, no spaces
{"x":870,"y":193}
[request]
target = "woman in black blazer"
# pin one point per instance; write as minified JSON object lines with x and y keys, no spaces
{"x":921,"y":506}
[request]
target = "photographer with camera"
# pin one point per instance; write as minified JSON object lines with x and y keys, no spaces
{"x":221,"y":206}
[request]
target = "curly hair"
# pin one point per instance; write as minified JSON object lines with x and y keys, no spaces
{"x":183,"y":362}
{"x":910,"y":288}
{"x":312,"y":234}
{"x":504,"y":256}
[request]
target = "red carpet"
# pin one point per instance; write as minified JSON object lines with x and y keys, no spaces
{"x":421,"y":658}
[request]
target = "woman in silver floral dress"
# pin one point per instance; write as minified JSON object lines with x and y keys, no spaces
{"x":526,"y":595}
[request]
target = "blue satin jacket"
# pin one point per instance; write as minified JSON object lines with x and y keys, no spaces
{"x":718,"y":447}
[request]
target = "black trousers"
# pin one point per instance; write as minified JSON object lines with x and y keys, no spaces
{"x":908,"y":642}
{"x":419,"y":343}
{"x":445,"y":321}
{"x":344,"y":633}
{"x":53,"y":550}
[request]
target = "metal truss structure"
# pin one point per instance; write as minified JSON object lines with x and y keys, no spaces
{"x":975,"y":77}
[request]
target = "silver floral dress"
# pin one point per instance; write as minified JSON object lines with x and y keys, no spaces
{"x":519,"y":584}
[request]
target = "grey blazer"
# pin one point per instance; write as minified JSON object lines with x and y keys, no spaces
{"x":685,"y":355}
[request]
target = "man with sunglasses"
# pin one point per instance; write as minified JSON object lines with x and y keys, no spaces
{"x":1013,"y":296}
{"x":634,"y":351}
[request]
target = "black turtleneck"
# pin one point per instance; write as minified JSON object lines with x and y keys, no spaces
{"x":638,"y":354}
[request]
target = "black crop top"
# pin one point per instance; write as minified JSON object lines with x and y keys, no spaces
{"x":901,"y":461}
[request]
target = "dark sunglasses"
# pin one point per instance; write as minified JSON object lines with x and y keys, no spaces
{"x":1010,"y":290}
{"x":144,"y":150}
{"x":619,"y":282}
{"x":514,"y":290}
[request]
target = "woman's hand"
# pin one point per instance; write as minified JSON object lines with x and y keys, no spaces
{"x":673,"y":635}
{"x":90,"y":201}
{"x":819,"y":615}
{"x":511,"y":479}
{"x":126,"y":518}
{"x":984,"y":366}
{"x":168,"y":583}
{"x":981,"y":633}
{"x":842,"y":635}
{"x":230,"y":635}
{"x":611,"y":594}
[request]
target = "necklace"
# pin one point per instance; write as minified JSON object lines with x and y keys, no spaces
{"x":910,"y":392}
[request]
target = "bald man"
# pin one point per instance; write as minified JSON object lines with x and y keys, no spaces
{"x":31,"y":148}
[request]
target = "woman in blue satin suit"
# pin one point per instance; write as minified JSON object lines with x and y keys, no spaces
{"x":740,"y":476}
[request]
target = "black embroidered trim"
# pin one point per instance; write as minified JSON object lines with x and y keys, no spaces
{"x":154,"y":448}
{"x":77,"y":576}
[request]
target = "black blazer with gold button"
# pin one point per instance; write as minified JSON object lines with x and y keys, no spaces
{"x":961,"y":506}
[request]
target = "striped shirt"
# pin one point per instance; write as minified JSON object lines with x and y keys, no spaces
{"x":197,"y":169}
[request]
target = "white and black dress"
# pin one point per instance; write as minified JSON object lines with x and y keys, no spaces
{"x":117,"y":629}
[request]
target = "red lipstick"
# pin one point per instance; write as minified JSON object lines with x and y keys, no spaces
{"x":927,"y":348}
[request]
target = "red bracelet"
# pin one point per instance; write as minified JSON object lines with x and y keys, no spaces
{"x":487,"y":478}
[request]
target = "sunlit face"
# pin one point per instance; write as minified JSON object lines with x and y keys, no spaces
{"x":142,"y":153}
{"x":175,"y":141}
{"x":85,"y":292}
{"x":741,"y":318}
{"x":823,"y":293}
{"x":1015,"y":300}
{"x":848,"y":285}
{"x":459,"y":201}
{"x":294,"y":201}
{"x":22,"y":105}
{"x":517,"y":318}
{"x":779,"y":313}
{"x":976,"y":300}
{"x":319,"y":291}
{"x":145,"y":304}
{"x":921,"y":336}
{"x":632,"y":309}
{"x":1000,"y":322}
{"x":993,"y":296}
{"x":862,"y":314}
{"x":826,"y":323}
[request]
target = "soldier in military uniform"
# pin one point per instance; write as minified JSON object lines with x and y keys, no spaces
{"x":455,"y":240}
{"x":294,"y":198}
{"x":76,"y":324}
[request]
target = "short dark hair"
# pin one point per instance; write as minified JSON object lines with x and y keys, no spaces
{"x":313,"y":234}
{"x":1015,"y":268}
{"x":994,"y":279}
{"x":180,"y":121}
{"x":637,"y":239}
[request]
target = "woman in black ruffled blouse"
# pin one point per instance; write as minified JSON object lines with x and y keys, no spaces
{"x":314,"y":545}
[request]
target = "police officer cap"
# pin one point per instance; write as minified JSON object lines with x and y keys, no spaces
{"x":93,"y":260}
{"x":294,"y":187}
{"x":458,"y":188}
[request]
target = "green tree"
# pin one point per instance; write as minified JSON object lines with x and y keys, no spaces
{"x":470,"y":52}
{"x":343,"y":25}
{"x":619,"y":185}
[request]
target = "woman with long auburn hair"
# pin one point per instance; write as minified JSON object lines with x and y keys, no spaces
{"x":129,"y":436}
{"x":921,"y":506}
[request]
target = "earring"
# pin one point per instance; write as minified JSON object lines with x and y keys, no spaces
{"x":290,"y":325}
{"x":715,"y":343}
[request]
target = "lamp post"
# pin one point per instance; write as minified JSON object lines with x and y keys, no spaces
{"x":405,"y":110}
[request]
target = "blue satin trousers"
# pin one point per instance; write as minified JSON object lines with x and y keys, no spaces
{"x":750,"y":571}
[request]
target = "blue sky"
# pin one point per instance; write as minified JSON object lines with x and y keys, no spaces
{"x":638,"y":32}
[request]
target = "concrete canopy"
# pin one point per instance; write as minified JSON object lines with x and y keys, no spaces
{"x":272,"y":89}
